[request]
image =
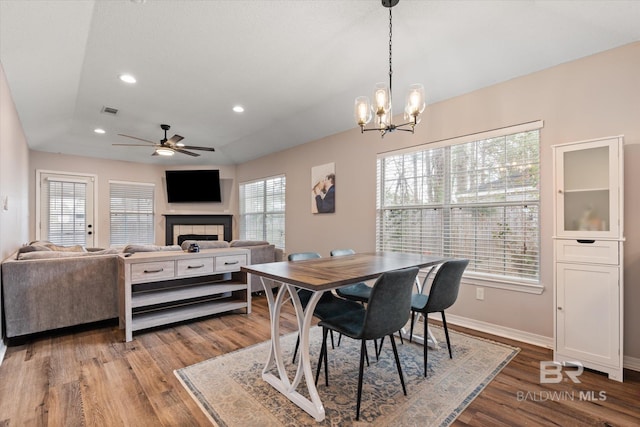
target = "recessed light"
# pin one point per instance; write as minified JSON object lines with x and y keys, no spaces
{"x":99,"y":130}
{"x":238,"y":109}
{"x":127,"y":78}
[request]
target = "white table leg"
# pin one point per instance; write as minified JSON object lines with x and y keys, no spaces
{"x":281,"y":382}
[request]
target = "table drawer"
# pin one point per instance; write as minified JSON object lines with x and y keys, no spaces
{"x":152,"y":271}
{"x":195,"y":267}
{"x":588,"y":251}
{"x":230,"y":262}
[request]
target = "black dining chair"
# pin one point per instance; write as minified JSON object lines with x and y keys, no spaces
{"x":359,"y":292}
{"x":386,"y":313}
{"x":329,"y":305}
{"x":442,"y":295}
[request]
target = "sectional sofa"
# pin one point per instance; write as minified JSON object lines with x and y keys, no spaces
{"x":47,"y":287}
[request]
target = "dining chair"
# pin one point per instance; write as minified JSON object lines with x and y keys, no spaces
{"x":442,"y":295}
{"x":357,"y":292}
{"x":387,"y":312}
{"x":329,"y":305}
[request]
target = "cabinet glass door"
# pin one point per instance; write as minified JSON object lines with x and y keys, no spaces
{"x":587,"y":191}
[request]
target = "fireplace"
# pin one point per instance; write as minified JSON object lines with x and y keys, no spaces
{"x":203,"y":227}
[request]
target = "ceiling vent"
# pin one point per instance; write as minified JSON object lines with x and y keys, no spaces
{"x":110,"y":110}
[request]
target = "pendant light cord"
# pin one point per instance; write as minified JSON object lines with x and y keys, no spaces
{"x":390,"y":67}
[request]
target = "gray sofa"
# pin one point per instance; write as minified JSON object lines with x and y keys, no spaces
{"x":46,"y":287}
{"x":44,"y":290}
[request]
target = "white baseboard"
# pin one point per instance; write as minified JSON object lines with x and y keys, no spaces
{"x":632,"y":363}
{"x":501,"y":331}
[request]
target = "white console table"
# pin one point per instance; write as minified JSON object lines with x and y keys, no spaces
{"x":158,"y":288}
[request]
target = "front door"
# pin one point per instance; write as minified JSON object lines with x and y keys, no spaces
{"x":66,"y":209}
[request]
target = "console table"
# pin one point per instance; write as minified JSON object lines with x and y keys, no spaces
{"x":158,"y":288}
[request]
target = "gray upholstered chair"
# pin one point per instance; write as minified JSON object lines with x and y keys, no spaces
{"x":329,"y":305}
{"x":357,"y":292}
{"x":442,"y":295}
{"x":387,"y":312}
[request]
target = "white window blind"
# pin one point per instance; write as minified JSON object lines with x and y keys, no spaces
{"x":262,"y":208}
{"x":477,"y":200}
{"x":131,"y":213}
{"x":66,"y":213}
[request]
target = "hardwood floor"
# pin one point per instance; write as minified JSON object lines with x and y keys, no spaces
{"x":93,"y":378}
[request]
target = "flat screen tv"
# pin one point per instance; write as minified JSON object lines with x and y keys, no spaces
{"x":193,"y":186}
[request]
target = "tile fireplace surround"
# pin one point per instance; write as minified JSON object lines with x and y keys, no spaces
{"x":211,"y":225}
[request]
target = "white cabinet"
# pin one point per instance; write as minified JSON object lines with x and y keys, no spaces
{"x":588,"y":254}
{"x":158,"y":288}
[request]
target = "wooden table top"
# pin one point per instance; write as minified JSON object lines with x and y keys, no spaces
{"x":333,"y":272}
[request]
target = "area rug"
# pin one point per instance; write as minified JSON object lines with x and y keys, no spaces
{"x":230,"y":389}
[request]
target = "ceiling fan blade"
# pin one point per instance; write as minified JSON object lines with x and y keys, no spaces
{"x":179,"y":150}
{"x":193,"y":147}
{"x":174,"y":139}
{"x":139,"y":139}
{"x":132,"y":145}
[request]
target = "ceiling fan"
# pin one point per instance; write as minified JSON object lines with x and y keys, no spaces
{"x":167,"y":147}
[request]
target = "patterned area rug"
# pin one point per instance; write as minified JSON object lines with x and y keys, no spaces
{"x":230,"y":389}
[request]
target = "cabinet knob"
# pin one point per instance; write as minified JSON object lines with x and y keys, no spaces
{"x":559,"y":191}
{"x":560,"y":308}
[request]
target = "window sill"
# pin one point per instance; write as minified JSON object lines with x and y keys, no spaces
{"x":528,"y":287}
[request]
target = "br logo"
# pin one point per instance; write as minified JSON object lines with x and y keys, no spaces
{"x":551,"y":372}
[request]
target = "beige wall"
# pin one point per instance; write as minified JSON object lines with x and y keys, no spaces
{"x":589,"y":98}
{"x":107,"y":170}
{"x":14,"y":160}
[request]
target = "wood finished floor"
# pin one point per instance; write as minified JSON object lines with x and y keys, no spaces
{"x":92,"y":378}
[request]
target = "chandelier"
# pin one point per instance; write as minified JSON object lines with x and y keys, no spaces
{"x":382,"y":96}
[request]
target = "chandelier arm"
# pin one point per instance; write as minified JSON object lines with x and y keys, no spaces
{"x":406,"y":124}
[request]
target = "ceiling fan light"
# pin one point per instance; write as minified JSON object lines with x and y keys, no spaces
{"x":164,"y":151}
{"x":127,"y":78}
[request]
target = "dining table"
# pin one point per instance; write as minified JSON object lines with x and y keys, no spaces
{"x":317,"y":275}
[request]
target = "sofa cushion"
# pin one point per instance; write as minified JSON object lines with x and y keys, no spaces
{"x":58,"y":248}
{"x":150,"y":248}
{"x":205,"y":244}
{"x":31,"y":248}
{"x":61,"y":254}
{"x":242,"y":243}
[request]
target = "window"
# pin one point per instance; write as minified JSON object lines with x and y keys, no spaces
{"x":131,"y":213}
{"x":262,"y":206}
{"x":475,"y":198}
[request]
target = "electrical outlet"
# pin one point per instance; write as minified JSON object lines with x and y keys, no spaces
{"x":480,"y":294}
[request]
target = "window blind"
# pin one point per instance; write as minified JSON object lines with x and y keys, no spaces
{"x":66,"y":212}
{"x":131,"y":213}
{"x":477,"y":200}
{"x":262,"y":209}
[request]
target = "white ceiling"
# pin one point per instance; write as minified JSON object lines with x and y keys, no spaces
{"x":296,"y":66}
